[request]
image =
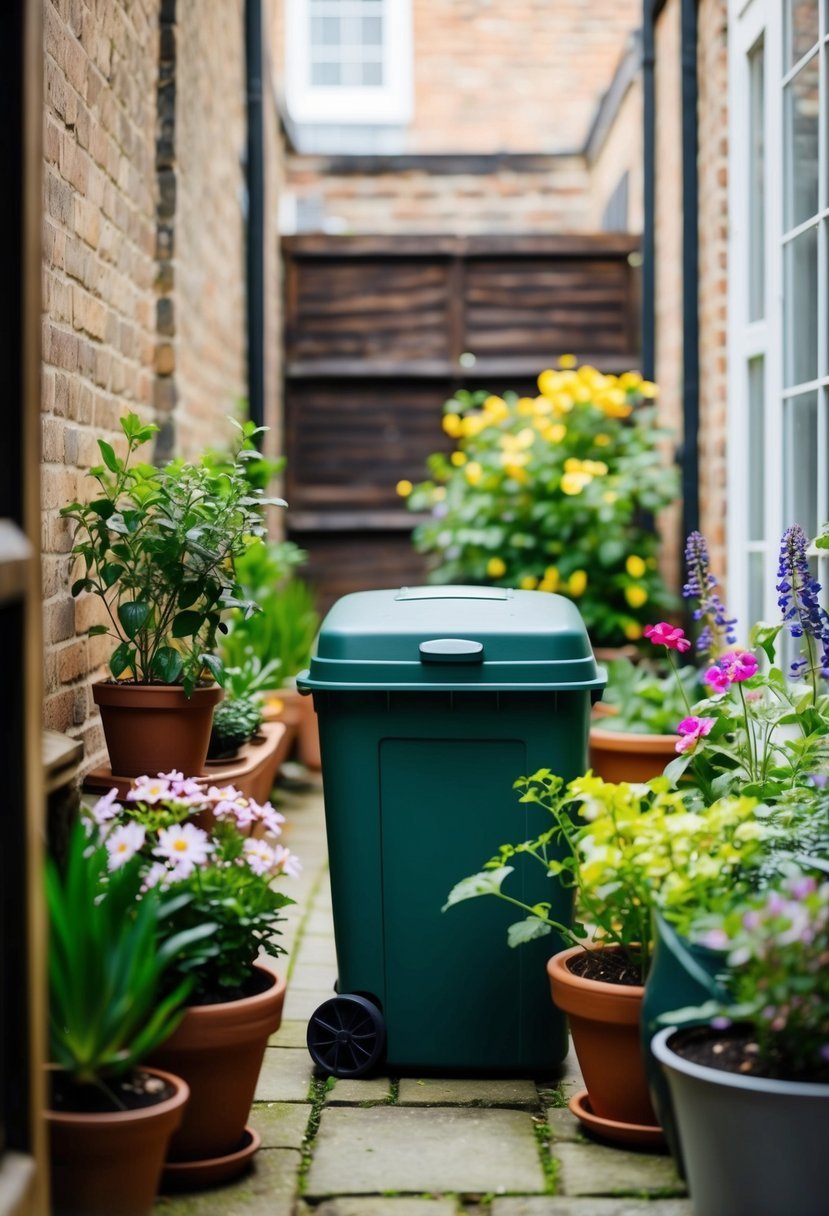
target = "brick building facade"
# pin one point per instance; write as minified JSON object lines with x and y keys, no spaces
{"x":144,"y":268}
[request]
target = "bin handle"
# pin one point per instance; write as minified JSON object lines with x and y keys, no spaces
{"x":451,"y":650}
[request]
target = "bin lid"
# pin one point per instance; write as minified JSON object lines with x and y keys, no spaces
{"x":453,"y":638}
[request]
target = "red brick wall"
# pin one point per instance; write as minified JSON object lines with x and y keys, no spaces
{"x":143,"y":274}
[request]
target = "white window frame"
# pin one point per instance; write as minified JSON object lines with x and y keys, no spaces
{"x":749,"y":20}
{"x":387,"y":104}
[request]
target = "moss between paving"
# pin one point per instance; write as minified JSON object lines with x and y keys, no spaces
{"x":267,"y":1191}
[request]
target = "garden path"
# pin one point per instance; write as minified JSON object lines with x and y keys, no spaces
{"x":410,"y":1146}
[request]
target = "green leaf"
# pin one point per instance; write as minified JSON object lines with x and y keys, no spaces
{"x":123,"y":657}
{"x":186,"y":624}
{"x":110,"y":459}
{"x":133,"y":616}
{"x":188,"y":594}
{"x":81,"y":584}
{"x":97,"y":630}
{"x":215,"y":666}
{"x":167,"y":665}
{"x":111,"y":572}
{"x":527,"y":930}
{"x":486,"y":883}
{"x":103,"y":507}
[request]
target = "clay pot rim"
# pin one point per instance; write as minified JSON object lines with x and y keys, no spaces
{"x":139,"y":1114}
{"x":116,"y":692}
{"x":626,"y":995}
{"x":207,"y":1025}
{"x":632,"y":741}
{"x":669,"y":1058}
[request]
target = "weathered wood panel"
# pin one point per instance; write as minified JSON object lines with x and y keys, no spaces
{"x":379,"y":331}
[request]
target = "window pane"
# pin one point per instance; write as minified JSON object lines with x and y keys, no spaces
{"x":325,"y":73}
{"x":372,"y":73}
{"x":757,"y":207}
{"x":801,"y":26}
{"x":801,"y":110}
{"x":756,"y":449}
{"x":372,"y":31}
{"x":325,"y":31}
{"x":756,"y":589}
{"x":800,"y":462}
{"x":800,"y":308}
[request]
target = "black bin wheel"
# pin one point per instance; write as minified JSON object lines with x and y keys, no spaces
{"x":347,"y":1036}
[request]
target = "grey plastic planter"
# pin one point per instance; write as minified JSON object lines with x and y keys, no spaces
{"x":751,"y":1146}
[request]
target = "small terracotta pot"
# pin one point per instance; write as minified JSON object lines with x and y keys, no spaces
{"x":154,"y":728}
{"x":218,"y":1050}
{"x":101,"y":1164}
{"x":616,"y":755}
{"x":309,"y":734}
{"x":604,"y":1021}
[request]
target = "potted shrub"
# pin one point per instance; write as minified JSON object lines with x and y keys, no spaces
{"x":158,"y":547}
{"x":216,"y":855}
{"x":550,"y":493}
{"x":751,"y":1089}
{"x":109,"y":1117}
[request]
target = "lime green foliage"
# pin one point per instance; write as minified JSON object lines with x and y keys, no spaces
{"x":282,"y":634}
{"x":107,"y":959}
{"x":647,"y":700}
{"x":159,"y":548}
{"x":551,"y":493}
{"x":636,"y":848}
{"x":235,"y":721}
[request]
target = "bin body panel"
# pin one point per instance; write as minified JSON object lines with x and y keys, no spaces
{"x":418,"y":794}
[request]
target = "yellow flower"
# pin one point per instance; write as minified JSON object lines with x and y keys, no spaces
{"x":574,"y":483}
{"x":452,"y":425}
{"x":525,"y":437}
{"x":542,"y":407}
{"x":528,"y":583}
{"x":473,"y":472}
{"x":526,"y":405}
{"x":632,"y":631}
{"x":630,"y":380}
{"x":572,"y":465}
{"x":548,"y":382}
{"x":516,"y":472}
{"x":614,"y":403}
{"x":562,"y":403}
{"x":472,"y":425}
{"x":601,"y":440}
{"x":458,"y":459}
{"x":495,"y":404}
{"x":404,"y":488}
{"x":496,"y":567}
{"x":551,"y":580}
{"x":567,"y":361}
{"x":648,"y":389}
{"x":555,"y":432}
{"x":635,"y":566}
{"x":577,"y":583}
{"x":636,"y":596}
{"x":598,"y":468}
{"x":582,"y":394}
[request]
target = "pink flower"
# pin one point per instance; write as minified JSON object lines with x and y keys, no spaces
{"x":106,"y":808}
{"x":667,"y":635}
{"x":693,"y":729}
{"x":287,"y":862}
{"x":123,"y":843}
{"x":731,"y":669}
{"x":150,"y":790}
{"x":259,"y":855}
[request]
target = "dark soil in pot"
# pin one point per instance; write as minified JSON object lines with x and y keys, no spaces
{"x":132,"y":1092}
{"x":605,"y":968}
{"x":736,"y":1050}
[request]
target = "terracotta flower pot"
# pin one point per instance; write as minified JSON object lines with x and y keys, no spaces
{"x":309,"y":734}
{"x":604,"y":1021}
{"x":154,"y":728}
{"x":218,"y":1050}
{"x":616,"y":755}
{"x":101,"y":1164}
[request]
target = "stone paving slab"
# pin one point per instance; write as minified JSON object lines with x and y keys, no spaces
{"x":384,"y":1205}
{"x":351,"y":1092}
{"x":290,"y":1034}
{"x":440,"y":1091}
{"x":285,"y":1077}
{"x":281,"y":1124}
{"x":300,"y":1005}
{"x":318,"y":923}
{"x":564,"y":1206}
{"x":563,"y":1125}
{"x":593,"y":1169}
{"x":268,"y":1190}
{"x":388,"y":1148}
{"x":318,"y":950}
{"x":316,"y":977}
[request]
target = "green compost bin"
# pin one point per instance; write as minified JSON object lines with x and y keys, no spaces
{"x":431,"y":702}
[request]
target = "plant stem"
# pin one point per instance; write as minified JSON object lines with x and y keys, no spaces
{"x":682,"y":691}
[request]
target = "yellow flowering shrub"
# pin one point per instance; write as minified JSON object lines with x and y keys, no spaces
{"x":553,"y":492}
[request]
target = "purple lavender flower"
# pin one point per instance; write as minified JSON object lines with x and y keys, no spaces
{"x":718,"y":629}
{"x":798,"y":597}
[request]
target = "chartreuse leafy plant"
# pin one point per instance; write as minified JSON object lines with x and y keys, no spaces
{"x":109,"y":956}
{"x":628,"y":850}
{"x":552,"y":493}
{"x":159,"y":548}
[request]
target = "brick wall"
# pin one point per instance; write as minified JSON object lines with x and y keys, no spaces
{"x":620,"y":153}
{"x":713,"y":288}
{"x":143,"y":276}
{"x":550,"y":198}
{"x":668,"y":257}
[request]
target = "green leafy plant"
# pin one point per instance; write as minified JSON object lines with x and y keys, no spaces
{"x":646,"y":700}
{"x":214,"y":854}
{"x":284,"y":630}
{"x":628,"y":849}
{"x":552,"y":493}
{"x":159,"y":548}
{"x":110,"y":953}
{"x":235,"y":721}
